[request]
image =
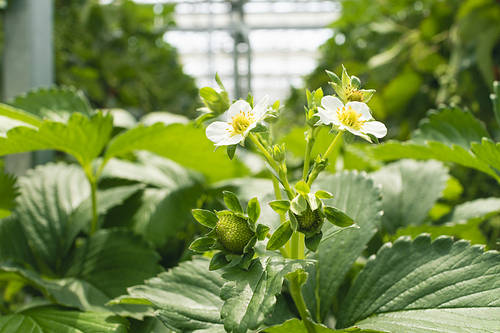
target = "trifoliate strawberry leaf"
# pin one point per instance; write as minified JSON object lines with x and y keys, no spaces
{"x":449,"y":135}
{"x":297,"y":326}
{"x":186,"y":297}
{"x":250,"y":295}
{"x":421,"y":286}
{"x":66,"y":137}
{"x":404,"y":200}
{"x":53,"y":103}
{"x":476,"y":209}
{"x":182,"y":143}
{"x":50,"y":319}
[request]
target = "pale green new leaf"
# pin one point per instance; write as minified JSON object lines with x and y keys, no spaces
{"x":405,"y":201}
{"x":184,"y":144}
{"x":186,"y":297}
{"x":53,"y":103}
{"x":49,"y":319}
{"x":82,"y":137}
{"x":250,"y":295}
{"x":356,"y":195}
{"x":420,"y":286}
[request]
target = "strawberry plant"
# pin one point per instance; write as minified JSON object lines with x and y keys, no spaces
{"x":141,"y":226}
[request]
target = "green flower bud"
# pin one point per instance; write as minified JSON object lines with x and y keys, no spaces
{"x":309,"y":222}
{"x":233,"y":232}
{"x":279,"y":153}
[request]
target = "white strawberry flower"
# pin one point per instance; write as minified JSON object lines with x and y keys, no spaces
{"x":240,"y":119}
{"x":354,"y":117}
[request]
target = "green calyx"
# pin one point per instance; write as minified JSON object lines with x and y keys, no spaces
{"x":233,"y":232}
{"x":309,"y":222}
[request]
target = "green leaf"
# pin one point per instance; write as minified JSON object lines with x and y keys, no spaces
{"x":250,"y":295}
{"x":68,"y":138}
{"x":232,"y":202}
{"x":450,"y":135}
{"x":280,"y":206}
{"x":49,"y":319}
{"x":14,"y":245}
{"x":202,"y":244}
{"x":218,"y":261}
{"x":404,"y":200}
{"x":297,"y":326}
{"x":337,"y":217}
{"x":19,"y":116}
{"x":8,"y":193}
{"x":53,"y":103}
{"x":184,"y":144}
{"x":280,"y":236}
{"x":450,"y":126}
{"x":323,"y":195}
{"x":230,"y":151}
{"x":262,"y":231}
{"x":356,"y":195}
{"x":253,"y":209}
{"x":49,"y":195}
{"x":419,"y":286}
{"x":312,"y":242}
{"x":476,"y":209}
{"x":205,"y":217}
{"x":186,"y":297}
{"x":302,"y":187}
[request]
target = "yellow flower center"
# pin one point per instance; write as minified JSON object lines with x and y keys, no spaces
{"x":350,"y":118}
{"x":240,"y":123}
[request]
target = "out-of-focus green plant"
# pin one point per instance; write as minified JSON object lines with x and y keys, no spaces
{"x":416,"y":54}
{"x":116,"y":54}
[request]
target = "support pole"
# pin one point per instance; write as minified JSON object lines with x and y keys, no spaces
{"x":27,"y":62}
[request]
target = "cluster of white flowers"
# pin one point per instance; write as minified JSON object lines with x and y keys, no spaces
{"x":240,"y":119}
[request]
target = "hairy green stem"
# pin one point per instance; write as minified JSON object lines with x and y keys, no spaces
{"x":295,"y":245}
{"x":92,"y":179}
{"x":333,"y":145}
{"x":273,"y":164}
{"x":307,"y":156}
{"x":296,"y":292}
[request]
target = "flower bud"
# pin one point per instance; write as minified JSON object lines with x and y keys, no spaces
{"x":279,"y":153}
{"x":233,"y":232}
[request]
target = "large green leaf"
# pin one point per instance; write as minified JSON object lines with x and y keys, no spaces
{"x":54,"y":320}
{"x":356,"y":195}
{"x":450,"y":135}
{"x":187,"y":297}
{"x":14,"y":245}
{"x":250,"y":295}
{"x":17,"y":117}
{"x":184,"y":144}
{"x":8,"y":193}
{"x":421,"y":286}
{"x":165,"y":207}
{"x":82,"y":137}
{"x":99,"y":269}
{"x":49,"y":196}
{"x":53,"y":103}
{"x":404,"y":200}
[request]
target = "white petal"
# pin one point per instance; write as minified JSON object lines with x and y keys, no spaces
{"x":327,"y":117}
{"x":331,"y":103}
{"x":375,"y":128}
{"x":362,"y":108}
{"x":236,"y":107}
{"x":358,"y":133}
{"x":232,"y":140}
{"x":218,"y":131}
{"x":260,"y":109}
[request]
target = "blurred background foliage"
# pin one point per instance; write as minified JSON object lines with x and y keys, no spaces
{"x":416,"y":54}
{"x":116,"y":54}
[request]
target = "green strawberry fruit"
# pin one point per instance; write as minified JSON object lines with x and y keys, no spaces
{"x":233,"y":232}
{"x":309,"y":222}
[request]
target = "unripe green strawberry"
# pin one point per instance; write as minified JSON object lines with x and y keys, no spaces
{"x":233,"y":232}
{"x":309,"y":222}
